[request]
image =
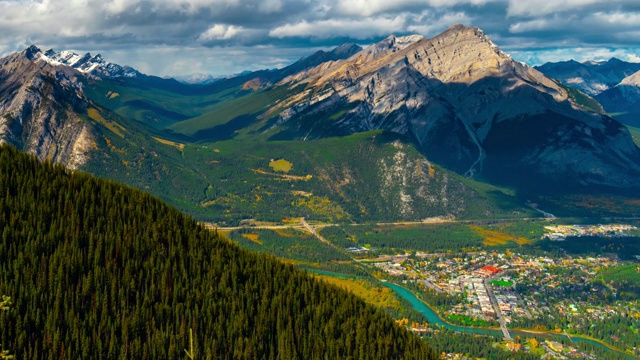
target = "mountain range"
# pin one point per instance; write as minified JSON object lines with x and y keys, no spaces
{"x":591,"y":77}
{"x":614,"y":83}
{"x":406,"y":128}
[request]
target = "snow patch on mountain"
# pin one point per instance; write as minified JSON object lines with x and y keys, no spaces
{"x":86,"y":64}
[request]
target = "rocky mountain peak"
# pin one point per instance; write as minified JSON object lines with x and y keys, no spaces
{"x":389,"y":45}
{"x":40,"y":103}
{"x":633,"y":80}
{"x":346,"y":49}
{"x":468,"y":105}
{"x":462,"y":54}
{"x":87,"y":64}
{"x":32,"y":52}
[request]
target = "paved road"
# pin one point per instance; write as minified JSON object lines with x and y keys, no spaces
{"x":433,"y":286}
{"x":313,"y":232}
{"x":496,"y":308}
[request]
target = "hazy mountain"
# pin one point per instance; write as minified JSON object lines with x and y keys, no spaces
{"x":623,"y":100}
{"x":590,"y":77}
{"x":197,"y":79}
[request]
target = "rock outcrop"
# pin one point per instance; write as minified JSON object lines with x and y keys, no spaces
{"x":40,"y":107}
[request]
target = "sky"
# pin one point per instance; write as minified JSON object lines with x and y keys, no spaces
{"x":221,"y":37}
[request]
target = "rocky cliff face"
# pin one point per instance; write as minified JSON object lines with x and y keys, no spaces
{"x":40,"y":105}
{"x":469,"y":106}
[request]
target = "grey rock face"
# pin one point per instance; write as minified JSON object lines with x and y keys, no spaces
{"x":39,"y":107}
{"x":469,"y":106}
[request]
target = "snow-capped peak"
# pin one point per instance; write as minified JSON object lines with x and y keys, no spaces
{"x":87,"y":64}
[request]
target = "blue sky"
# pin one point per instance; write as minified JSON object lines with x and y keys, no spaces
{"x":177,"y":37}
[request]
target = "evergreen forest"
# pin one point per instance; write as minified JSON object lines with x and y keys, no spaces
{"x":97,"y":270}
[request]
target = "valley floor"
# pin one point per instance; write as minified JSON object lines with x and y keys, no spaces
{"x":482,"y":275}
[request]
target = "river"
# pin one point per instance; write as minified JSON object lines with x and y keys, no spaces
{"x":434,"y":318}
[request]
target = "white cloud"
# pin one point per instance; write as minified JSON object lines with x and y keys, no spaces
{"x":545,"y":24}
{"x":270,"y":6}
{"x":357,"y":29}
{"x":429,"y":24}
{"x":366,"y":8}
{"x":546,"y":7}
{"x":221,"y":32}
{"x":616,"y":19}
{"x":265,"y":27}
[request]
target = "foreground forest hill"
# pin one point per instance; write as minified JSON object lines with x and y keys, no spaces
{"x":96,"y":270}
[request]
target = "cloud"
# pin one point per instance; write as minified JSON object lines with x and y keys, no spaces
{"x":356,"y":29}
{"x":221,"y":32}
{"x":546,"y":7}
{"x":270,"y":32}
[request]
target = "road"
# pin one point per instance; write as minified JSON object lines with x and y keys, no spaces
{"x":496,"y":308}
{"x":433,"y":286}
{"x":313,"y":232}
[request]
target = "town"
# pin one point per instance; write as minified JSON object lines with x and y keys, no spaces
{"x":561,"y":232}
{"x":519,"y":291}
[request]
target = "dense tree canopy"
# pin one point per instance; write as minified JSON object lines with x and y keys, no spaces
{"x":102,"y":271}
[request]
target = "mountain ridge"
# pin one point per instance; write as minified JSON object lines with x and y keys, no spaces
{"x":433,"y":74}
{"x":590,"y":77}
{"x":86,"y":64}
{"x":457,"y":98}
{"x":624,"y":99}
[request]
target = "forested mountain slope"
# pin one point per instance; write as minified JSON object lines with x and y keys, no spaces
{"x":97,"y":270}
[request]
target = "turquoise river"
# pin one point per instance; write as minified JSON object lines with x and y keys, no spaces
{"x":433,"y":318}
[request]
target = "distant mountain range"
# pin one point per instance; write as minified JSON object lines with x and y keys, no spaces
{"x":613,"y":83}
{"x":591,"y":77}
{"x":402,"y":129}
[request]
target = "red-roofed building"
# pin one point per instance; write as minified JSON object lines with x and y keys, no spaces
{"x":487,"y":271}
{"x":491,"y":269}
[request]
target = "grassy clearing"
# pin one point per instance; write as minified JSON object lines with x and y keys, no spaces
{"x":495,"y":238}
{"x":176,"y":145}
{"x":284,"y":233}
{"x":281,"y":165}
{"x":253,"y":237}
{"x":111,"y":125}
{"x":635,"y":134}
{"x":379,"y":296}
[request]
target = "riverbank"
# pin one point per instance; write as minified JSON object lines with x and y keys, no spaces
{"x":434,"y":318}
